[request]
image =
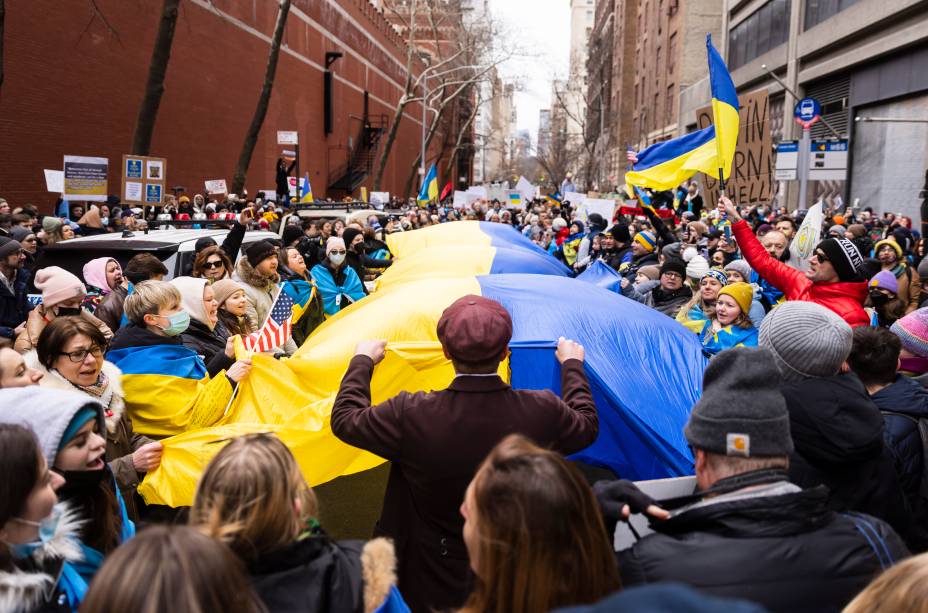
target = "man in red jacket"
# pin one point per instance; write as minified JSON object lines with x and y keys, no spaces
{"x":833,"y":279}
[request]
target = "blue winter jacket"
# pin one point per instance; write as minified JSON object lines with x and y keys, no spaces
{"x":900,"y":433}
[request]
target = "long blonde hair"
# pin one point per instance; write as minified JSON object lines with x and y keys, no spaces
{"x":245,"y":493}
{"x":904,"y":587}
{"x":541,"y":542}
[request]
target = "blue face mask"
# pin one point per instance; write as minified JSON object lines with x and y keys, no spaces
{"x":177,"y":323}
{"x":47,"y":529}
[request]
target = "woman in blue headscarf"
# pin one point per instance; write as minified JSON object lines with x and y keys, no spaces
{"x":337,"y":282}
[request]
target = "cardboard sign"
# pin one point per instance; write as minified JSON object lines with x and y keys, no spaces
{"x":143,"y":177}
{"x":217,"y":186}
{"x":85,"y":178}
{"x":753,"y":167}
{"x":54,"y":181}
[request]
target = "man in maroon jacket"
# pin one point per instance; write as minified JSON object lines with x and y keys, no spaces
{"x":437,"y":440}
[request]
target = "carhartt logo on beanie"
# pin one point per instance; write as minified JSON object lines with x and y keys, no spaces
{"x":844,"y":256}
{"x":742,"y":411}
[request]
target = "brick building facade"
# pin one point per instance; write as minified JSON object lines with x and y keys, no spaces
{"x":74,"y":79}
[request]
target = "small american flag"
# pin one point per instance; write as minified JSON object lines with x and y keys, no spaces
{"x":276,"y":329}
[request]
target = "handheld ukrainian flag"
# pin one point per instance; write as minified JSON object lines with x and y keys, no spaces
{"x":429,"y":189}
{"x":307,"y":190}
{"x":665,"y":165}
{"x":554,"y":199}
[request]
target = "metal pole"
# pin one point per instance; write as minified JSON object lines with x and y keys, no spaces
{"x":297,"y":152}
{"x":425,"y":97}
{"x":805,"y":146}
{"x":796,"y":96}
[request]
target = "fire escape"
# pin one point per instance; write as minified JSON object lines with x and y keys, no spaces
{"x":352,"y":164}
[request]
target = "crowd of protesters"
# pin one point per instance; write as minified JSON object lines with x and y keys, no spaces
{"x":809,"y":439}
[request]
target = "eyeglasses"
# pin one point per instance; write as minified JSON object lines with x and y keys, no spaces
{"x":820,"y":257}
{"x":672,"y":275}
{"x":213,"y":264}
{"x":338,"y":251}
{"x":80,"y":355}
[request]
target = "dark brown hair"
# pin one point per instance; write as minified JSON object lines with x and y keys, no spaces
{"x":59,"y":331}
{"x":142,"y":267}
{"x":199,"y":264}
{"x":171,"y":569}
{"x":541,"y":540}
{"x":19,"y":457}
{"x":875,"y":355}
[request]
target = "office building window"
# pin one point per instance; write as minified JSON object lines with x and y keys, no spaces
{"x":818,"y":11}
{"x":765,"y":29}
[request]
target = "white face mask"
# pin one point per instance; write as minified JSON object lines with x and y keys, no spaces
{"x":337,"y":258}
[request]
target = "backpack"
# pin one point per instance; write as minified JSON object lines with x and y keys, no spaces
{"x":921,"y":424}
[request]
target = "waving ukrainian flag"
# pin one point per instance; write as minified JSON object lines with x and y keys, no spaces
{"x":429,"y":189}
{"x":664,"y":166}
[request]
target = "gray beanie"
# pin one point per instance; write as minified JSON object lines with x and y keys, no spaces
{"x":742,"y":411}
{"x":741,"y":267}
{"x":672,"y":251}
{"x":806,"y":339}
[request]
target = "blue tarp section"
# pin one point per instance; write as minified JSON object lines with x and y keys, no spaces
{"x":508,"y":260}
{"x":602,"y":275}
{"x":504,"y":235}
{"x":645,"y":369}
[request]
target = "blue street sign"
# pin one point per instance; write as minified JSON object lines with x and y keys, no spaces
{"x":828,"y":146}
{"x":788,"y":146}
{"x":807,"y":109}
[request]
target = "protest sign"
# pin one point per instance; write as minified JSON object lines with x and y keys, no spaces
{"x":525,"y":187}
{"x":751,"y":180}
{"x":142,"y":177}
{"x":604,"y":207}
{"x":287,"y":138}
{"x":478,"y":191}
{"x":217,"y":186}
{"x":460,"y":200}
{"x":574,"y":198}
{"x":54,"y":181}
{"x":380,"y":197}
{"x":85,"y":178}
{"x":803,"y":244}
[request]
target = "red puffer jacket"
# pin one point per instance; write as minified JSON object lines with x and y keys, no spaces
{"x":844,"y":298}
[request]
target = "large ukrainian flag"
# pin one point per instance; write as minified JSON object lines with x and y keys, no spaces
{"x":645,"y":370}
{"x":663,"y":166}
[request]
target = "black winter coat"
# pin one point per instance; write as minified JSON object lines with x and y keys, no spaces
{"x":318,"y":574}
{"x":648,"y":259}
{"x":209,"y":344}
{"x":787,"y":552}
{"x":14,"y":307}
{"x":900,"y":433}
{"x":838,"y":436}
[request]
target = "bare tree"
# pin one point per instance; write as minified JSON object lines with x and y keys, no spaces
{"x":558,"y":156}
{"x":251,"y":137}
{"x":573,"y":102}
{"x":157,"y":69}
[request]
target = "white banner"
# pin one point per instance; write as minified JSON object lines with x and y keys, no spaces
{"x":604,"y":207}
{"x":460,"y":199}
{"x":217,"y":186}
{"x":807,"y":238}
{"x":574,"y":198}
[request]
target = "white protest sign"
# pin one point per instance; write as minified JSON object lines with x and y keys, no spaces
{"x":604,"y":207}
{"x":287,"y":138}
{"x":525,"y":187}
{"x":380,"y":197}
{"x":574,"y":198}
{"x":217,"y":186}
{"x":806,"y":238}
{"x":54,"y":180}
{"x":132,"y":192}
{"x":460,"y":199}
{"x":478,"y":191}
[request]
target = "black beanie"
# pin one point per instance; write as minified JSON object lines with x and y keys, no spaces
{"x":292,"y":233}
{"x":348,"y":235}
{"x":596,"y":222}
{"x":203,"y":243}
{"x":742,"y":411}
{"x":620,"y":233}
{"x":259,"y":251}
{"x":844,"y":256}
{"x":674,"y":265}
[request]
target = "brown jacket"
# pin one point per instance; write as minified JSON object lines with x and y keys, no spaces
{"x":111,"y":309}
{"x":36,"y":322}
{"x":121,"y":439}
{"x":910,"y":287}
{"x":436,"y":442}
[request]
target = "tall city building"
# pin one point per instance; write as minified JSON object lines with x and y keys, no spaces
{"x":544,"y":129}
{"x":574,"y":100}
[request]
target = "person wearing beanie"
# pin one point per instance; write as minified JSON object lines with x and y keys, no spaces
{"x":837,"y":430}
{"x":62,"y":294}
{"x":29,"y":243}
{"x":833,"y":279}
{"x":14,"y":280}
{"x":738,"y":270}
{"x":257,"y":272}
{"x":648,"y":273}
{"x":569,"y":247}
{"x":702,"y":305}
{"x":730,"y":323}
{"x":436,"y":441}
{"x":908,"y":281}
{"x":883,"y":304}
{"x":912,"y":331}
{"x":747,"y":530}
{"x":337,"y":282}
{"x":670,"y":295}
{"x":837,"y":231}
{"x":585,"y":251}
{"x":616,"y":248}
{"x":643,"y":248}
{"x":923,"y":274}
{"x":857,"y":234}
{"x":696,"y":268}
{"x":291,"y":235}
{"x":645,"y":241}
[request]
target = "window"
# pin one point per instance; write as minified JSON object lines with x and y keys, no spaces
{"x":658,"y":66}
{"x":818,"y":11}
{"x":671,"y":53}
{"x":668,"y":105}
{"x":763,"y":30}
{"x":657,"y":101}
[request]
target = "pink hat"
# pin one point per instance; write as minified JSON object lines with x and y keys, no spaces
{"x":58,"y":285}
{"x":95,"y":274}
{"x":912,"y":330}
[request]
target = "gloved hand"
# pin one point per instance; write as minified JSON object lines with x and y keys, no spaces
{"x":619,"y":499}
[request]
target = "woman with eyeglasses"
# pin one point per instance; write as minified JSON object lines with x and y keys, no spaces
{"x":337,"y":282}
{"x":212,"y":264}
{"x":69,"y":354}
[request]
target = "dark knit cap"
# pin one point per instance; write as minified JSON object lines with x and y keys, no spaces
{"x":349,"y":235}
{"x":292,"y":233}
{"x":844,"y":256}
{"x":8,"y":246}
{"x":620,"y":233}
{"x":596,"y":222}
{"x":259,"y":251}
{"x":203,"y":243}
{"x":742,"y":411}
{"x":674,"y":265}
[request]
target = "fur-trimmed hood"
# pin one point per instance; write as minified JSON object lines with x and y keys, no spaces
{"x":245,"y":273}
{"x":378,"y":570}
{"x":54,"y":380}
{"x":23,"y":590}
